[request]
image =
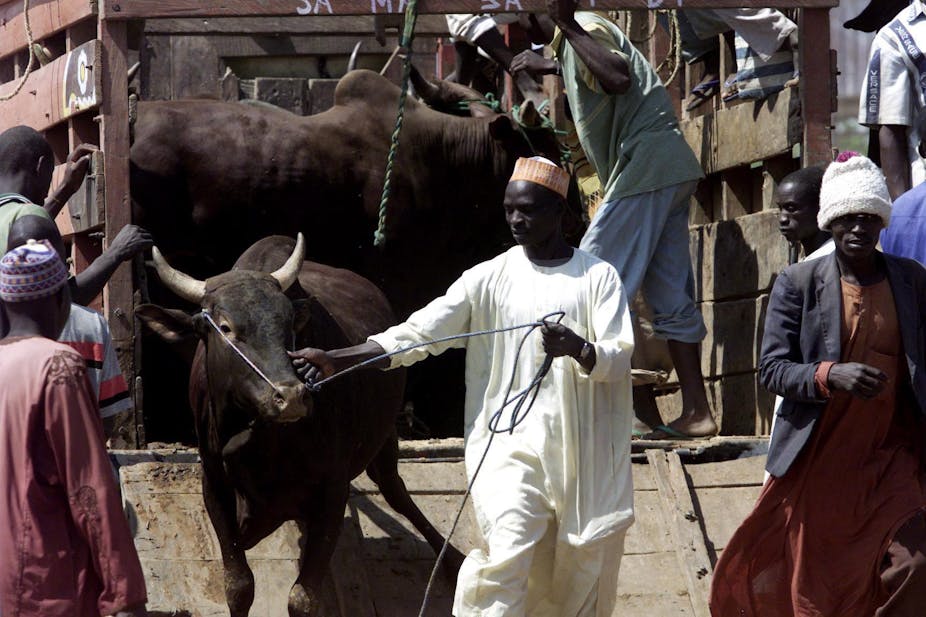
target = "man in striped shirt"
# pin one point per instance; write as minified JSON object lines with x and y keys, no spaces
{"x":892,"y":93}
{"x":85,"y":331}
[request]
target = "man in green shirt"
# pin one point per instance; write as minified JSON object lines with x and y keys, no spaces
{"x":26,"y":165}
{"x":628,"y":129}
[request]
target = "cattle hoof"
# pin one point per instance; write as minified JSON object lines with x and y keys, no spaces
{"x":304,"y":602}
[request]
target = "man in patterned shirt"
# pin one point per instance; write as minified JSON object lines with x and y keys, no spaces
{"x":892,"y":93}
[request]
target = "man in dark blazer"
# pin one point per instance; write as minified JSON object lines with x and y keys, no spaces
{"x":803,"y":331}
{"x":840,"y":527}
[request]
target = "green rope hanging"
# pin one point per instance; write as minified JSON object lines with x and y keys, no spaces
{"x":408,"y":33}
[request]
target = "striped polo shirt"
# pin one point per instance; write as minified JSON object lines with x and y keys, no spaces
{"x":894,"y":89}
{"x":87,"y":333}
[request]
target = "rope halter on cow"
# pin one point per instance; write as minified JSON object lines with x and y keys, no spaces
{"x":193,"y":290}
{"x":208,"y":317}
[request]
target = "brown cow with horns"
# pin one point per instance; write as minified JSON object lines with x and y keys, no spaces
{"x":209,"y":178}
{"x":270,"y":451}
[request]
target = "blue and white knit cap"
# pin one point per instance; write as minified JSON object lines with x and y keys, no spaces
{"x":31,"y":272}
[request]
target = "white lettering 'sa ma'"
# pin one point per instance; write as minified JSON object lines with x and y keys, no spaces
{"x":305,"y":9}
{"x":654,"y":4}
{"x":402,"y":4}
{"x":326,"y":4}
{"x":513,"y":5}
{"x":385,"y":4}
{"x":488,"y":5}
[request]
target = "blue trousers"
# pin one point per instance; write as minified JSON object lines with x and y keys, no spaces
{"x":645,"y":238}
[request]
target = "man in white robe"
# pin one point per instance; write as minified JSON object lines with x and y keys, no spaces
{"x":554,"y":499}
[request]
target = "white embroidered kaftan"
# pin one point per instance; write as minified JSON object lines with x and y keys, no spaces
{"x":580,"y":425}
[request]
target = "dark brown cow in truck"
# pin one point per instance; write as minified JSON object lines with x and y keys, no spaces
{"x":270,"y":450}
{"x":209,"y":178}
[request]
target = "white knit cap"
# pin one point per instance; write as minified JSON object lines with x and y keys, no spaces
{"x":855,"y":186}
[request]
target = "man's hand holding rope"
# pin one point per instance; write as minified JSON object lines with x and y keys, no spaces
{"x":314,"y":365}
{"x":558,"y":341}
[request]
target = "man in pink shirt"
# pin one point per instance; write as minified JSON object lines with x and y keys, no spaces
{"x":66,"y":547}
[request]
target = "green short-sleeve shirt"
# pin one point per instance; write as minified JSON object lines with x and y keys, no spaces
{"x":631,"y":139}
{"x":13,"y":207}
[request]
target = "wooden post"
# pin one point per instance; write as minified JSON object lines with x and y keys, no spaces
{"x":817,"y":84}
{"x":114,"y":140}
{"x":684,"y":522}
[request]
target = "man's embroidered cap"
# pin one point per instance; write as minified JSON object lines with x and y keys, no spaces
{"x":31,"y":272}
{"x":542,"y":171}
{"x":853,"y":185}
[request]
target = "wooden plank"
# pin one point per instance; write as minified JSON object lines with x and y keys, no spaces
{"x":195,"y":67}
{"x":684,"y":523}
{"x":85,"y":207}
{"x":114,"y":142}
{"x":650,"y":531}
{"x":46,"y":17}
{"x":745,"y":133}
{"x":817,"y":86}
{"x":651,"y":574}
{"x":747,"y":471}
{"x":233,"y":46}
{"x":67,"y":86}
{"x":140,"y":9}
{"x":435,"y":25}
{"x":724,"y":511}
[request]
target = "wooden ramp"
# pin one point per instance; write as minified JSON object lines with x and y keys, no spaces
{"x":685,"y":514}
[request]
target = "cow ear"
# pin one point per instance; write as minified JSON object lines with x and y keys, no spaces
{"x":172,"y":325}
{"x":502,"y":128}
{"x":302,"y":314}
{"x":530,"y":117}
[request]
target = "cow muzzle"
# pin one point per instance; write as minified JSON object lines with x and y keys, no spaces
{"x":288,"y":404}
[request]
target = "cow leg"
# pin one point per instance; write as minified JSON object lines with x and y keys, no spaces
{"x":384,"y":471}
{"x":239,"y":580}
{"x":310,"y":596}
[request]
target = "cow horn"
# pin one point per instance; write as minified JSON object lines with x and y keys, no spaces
{"x":181,"y":284}
{"x":352,"y":62}
{"x":289,"y":272}
{"x":428,"y":92}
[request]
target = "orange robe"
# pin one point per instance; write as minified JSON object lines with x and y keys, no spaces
{"x":814,"y":544}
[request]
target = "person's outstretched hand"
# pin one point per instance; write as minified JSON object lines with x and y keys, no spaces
{"x":312,"y":365}
{"x":130,"y":241}
{"x":532,"y":63}
{"x":76,"y":166}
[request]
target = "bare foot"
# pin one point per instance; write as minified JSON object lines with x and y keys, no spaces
{"x":686,"y":427}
